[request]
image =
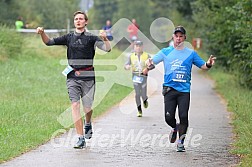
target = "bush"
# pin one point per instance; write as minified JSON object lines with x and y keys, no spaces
{"x":228,"y":35}
{"x":10,"y":43}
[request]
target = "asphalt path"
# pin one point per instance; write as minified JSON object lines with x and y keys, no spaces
{"x":123,"y":139}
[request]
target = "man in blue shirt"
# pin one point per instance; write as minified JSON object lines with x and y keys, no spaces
{"x":178,"y":61}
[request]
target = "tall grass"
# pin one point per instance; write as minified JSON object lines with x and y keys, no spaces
{"x":10,"y":43}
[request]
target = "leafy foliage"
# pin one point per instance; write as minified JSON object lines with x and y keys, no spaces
{"x":116,"y":9}
{"x":138,"y":10}
{"x":168,"y":7}
{"x":243,"y":57}
{"x":102,"y":11}
{"x":226,"y":28}
{"x":7,"y":14}
{"x":50,"y":14}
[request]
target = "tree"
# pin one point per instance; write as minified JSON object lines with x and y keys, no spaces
{"x":166,"y":8}
{"x":243,"y":57}
{"x":227,"y":30}
{"x":102,"y":11}
{"x":142,"y":12}
{"x":8,"y":14}
{"x":50,"y":14}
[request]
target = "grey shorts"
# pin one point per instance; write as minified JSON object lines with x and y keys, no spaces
{"x":79,"y":89}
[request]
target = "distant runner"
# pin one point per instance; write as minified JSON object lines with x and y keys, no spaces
{"x":136,"y":61}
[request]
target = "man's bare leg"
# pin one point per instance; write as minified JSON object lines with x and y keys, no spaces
{"x":77,"y":118}
{"x":78,"y":125}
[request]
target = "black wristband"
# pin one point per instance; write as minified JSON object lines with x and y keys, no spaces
{"x":208,"y":66}
{"x":151,"y":67}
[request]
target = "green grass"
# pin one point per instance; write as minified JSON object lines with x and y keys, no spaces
{"x":239,"y":102}
{"x":33,"y":94}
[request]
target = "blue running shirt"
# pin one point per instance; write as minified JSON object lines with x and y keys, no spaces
{"x":178,"y":66}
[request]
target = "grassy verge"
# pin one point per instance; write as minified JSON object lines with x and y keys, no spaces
{"x":33,"y":94}
{"x":239,"y":102}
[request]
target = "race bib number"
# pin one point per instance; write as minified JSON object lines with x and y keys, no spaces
{"x":179,"y":76}
{"x":137,"y":79}
{"x":67,"y":70}
{"x":179,"y":72}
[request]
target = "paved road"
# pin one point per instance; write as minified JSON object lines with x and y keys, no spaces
{"x":122,"y":139}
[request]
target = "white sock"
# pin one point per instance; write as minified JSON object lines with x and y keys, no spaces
{"x":80,"y":136}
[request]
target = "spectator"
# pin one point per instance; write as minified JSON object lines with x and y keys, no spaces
{"x":19,"y":23}
{"x":108,"y":29}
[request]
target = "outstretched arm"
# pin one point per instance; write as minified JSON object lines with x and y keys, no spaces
{"x":103,"y":36}
{"x":210,"y":62}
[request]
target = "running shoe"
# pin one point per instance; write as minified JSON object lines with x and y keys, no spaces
{"x":180,"y":147}
{"x":146,"y":104}
{"x":81,"y":143}
{"x":139,"y":109}
{"x":88,"y":131}
{"x":139,"y":114}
